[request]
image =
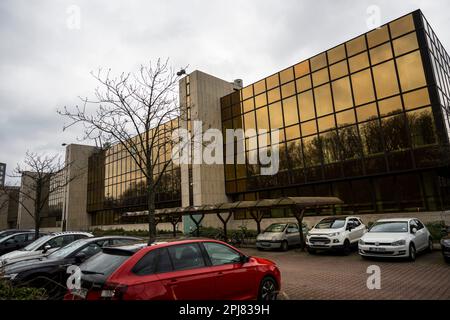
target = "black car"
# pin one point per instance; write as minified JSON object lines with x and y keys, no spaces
{"x":50,"y":272}
{"x":8,"y":232}
{"x":445,"y":244}
{"x":16,"y":241}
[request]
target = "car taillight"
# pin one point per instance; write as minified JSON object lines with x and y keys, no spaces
{"x":113,"y":291}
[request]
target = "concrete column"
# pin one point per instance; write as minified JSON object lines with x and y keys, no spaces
{"x":26,"y":203}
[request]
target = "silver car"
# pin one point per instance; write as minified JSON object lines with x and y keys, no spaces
{"x":279,"y":236}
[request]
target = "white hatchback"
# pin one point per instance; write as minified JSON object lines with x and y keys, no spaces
{"x":395,"y":238}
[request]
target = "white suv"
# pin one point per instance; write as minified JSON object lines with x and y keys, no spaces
{"x":335,"y":233}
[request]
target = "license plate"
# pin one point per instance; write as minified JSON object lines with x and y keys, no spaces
{"x":81,"y":293}
{"x":319,"y":243}
{"x":378,"y":249}
{"x":265,"y":244}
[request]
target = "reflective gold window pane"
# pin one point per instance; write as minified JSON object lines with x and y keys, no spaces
{"x":320,"y":77}
{"x":342,"y":94}
{"x":318,"y":61}
{"x":226,"y":113}
{"x":237,"y":122}
{"x":366,"y":112}
{"x":338,"y":70}
{"x":259,"y":86}
{"x":309,"y":128}
{"x":260,"y":100}
{"x":292,"y":132}
{"x":410,"y":71}
{"x":381,"y":53}
{"x":273,"y":95}
{"x":356,"y":45}
{"x":416,"y":99}
{"x":263,"y":119}
{"x":236,"y":109}
{"x":362,"y":87}
{"x":301,"y":69}
{"x":422,"y":127}
{"x":249,"y":120}
{"x":322,"y":97}
{"x":336,"y":54}
{"x":326,"y":123}
{"x":405,"y":44}
{"x":345,"y":118}
{"x":402,"y":26}
{"x":390,"y":106}
{"x":312,"y":151}
{"x":359,"y":62}
{"x":276,"y":115}
{"x":288,"y":89}
{"x":377,"y":36}
{"x":272,"y":81}
{"x":247,"y":92}
{"x":287,"y":75}
{"x":385,"y":79}
{"x":304,"y":83}
{"x":290,"y":111}
{"x":248,"y":105}
{"x":306,"y":105}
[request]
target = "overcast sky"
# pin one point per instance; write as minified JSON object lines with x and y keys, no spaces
{"x":48,"y":48}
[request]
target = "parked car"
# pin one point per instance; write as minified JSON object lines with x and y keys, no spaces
{"x":396,"y":238}
{"x":279,"y":236}
{"x":182,"y":270}
{"x":44,"y":245}
{"x":335,"y":233}
{"x":8,"y":232}
{"x":16,"y":241}
{"x":36,"y":272}
{"x":445,"y":244}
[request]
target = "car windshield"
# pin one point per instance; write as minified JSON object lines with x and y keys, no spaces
{"x":36,"y":244}
{"x":330,"y":224}
{"x":67,"y":250}
{"x":390,"y":226}
{"x":276,"y":227}
{"x":103,"y":263}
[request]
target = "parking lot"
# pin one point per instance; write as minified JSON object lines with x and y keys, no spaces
{"x":333,"y":276}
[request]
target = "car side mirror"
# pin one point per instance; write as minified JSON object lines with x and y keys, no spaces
{"x":244,"y":259}
{"x":413,"y":230}
{"x":350,"y":227}
{"x":80,"y":257}
{"x":46,"y":248}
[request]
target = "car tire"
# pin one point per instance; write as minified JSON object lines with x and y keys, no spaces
{"x":412,"y":252}
{"x":311,"y":251}
{"x":430,"y":245}
{"x":284,"y":246}
{"x":267,"y":289}
{"x":447,"y":259}
{"x":346,"y":249}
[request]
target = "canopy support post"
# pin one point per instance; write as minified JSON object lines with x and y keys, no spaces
{"x":225,"y":221}
{"x":299,"y":213}
{"x":258,"y":217}
{"x":197,"y":223}
{"x":174,"y":220}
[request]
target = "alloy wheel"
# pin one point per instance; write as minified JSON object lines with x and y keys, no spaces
{"x":268,"y":290}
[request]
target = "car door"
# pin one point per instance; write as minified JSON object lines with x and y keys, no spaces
{"x":422,"y":235}
{"x":233,"y":278}
{"x":350,"y":229}
{"x":191,"y":278}
{"x":15,"y":242}
{"x":359,"y":228}
{"x":293,"y":234}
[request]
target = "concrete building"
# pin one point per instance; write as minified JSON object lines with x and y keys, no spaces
{"x":2,"y":173}
{"x":9,"y":208}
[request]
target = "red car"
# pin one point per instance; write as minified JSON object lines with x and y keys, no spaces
{"x":181,"y":270}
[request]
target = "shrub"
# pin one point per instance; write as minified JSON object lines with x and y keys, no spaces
{"x":435,"y":229}
{"x":9,"y":292}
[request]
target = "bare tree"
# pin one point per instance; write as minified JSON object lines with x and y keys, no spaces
{"x":41,"y":177}
{"x":135,"y":110}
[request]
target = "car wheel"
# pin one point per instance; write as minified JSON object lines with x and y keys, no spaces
{"x":346,"y":249}
{"x":447,"y":259}
{"x":412,"y":252}
{"x":284,"y":246}
{"x":311,"y":251}
{"x":430,"y":245}
{"x":267,"y":289}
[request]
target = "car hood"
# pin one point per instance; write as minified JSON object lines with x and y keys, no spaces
{"x":28,"y":264}
{"x":19,"y":255}
{"x":317,"y":232}
{"x":269,"y":235}
{"x":384,"y":236}
{"x":263,"y":261}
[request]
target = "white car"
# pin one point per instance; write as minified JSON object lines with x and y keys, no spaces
{"x":335,"y":233}
{"x":396,"y":238}
{"x":43,"y":246}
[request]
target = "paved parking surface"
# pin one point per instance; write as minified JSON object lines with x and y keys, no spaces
{"x":333,"y":276}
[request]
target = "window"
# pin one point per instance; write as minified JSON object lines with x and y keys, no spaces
{"x":58,"y":241}
{"x":309,"y":128}
{"x":381,"y":53}
{"x":259,"y":87}
{"x":326,"y":123}
{"x":405,"y":44}
{"x":292,"y":132}
{"x":345,"y":118}
{"x":362,"y":87}
{"x":273,"y":95}
{"x":336,"y":54}
{"x":288,"y":90}
{"x":290,"y":111}
{"x":248,"y":105}
{"x":356,"y":45}
{"x":272,"y":81}
{"x":377,"y":36}
{"x":186,"y":256}
{"x":260,"y":100}
{"x":385,"y":80}
{"x":304,"y":83}
{"x":220,"y":254}
{"x":421,"y":127}
{"x":390,"y":106}
{"x":247,"y":92}
{"x":342,"y":94}
{"x":410,"y":71}
{"x":301,"y":69}
{"x":91,"y":249}
{"x":146,"y":265}
{"x":322,"y":96}
{"x":401,"y":26}
{"x":320,"y":77}
{"x":338,"y":70}
{"x":318,"y":62}
{"x":306,"y":106}
{"x":276,"y":115}
{"x":263,"y":119}
{"x":287,"y":75}
{"x":416,"y":99}
{"x":249,"y":120}
{"x":359,"y":62}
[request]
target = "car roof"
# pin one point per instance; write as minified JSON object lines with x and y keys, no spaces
{"x":111,"y":237}
{"x":396,"y":219}
{"x":59,"y":233}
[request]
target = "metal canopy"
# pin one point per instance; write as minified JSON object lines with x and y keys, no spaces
{"x":299,"y":202}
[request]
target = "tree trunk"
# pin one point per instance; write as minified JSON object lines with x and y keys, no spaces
{"x":151,"y":214}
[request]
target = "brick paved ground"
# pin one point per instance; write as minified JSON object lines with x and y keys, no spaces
{"x":332,"y":276}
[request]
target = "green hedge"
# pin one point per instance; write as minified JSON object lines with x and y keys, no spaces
{"x":9,"y":292}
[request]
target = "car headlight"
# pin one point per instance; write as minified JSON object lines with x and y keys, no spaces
{"x":361,"y":242}
{"x":399,"y":243}
{"x":334,"y":234}
{"x":10,"y":276}
{"x":275,"y":238}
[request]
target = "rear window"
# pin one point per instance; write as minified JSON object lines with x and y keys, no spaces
{"x":104,"y":263}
